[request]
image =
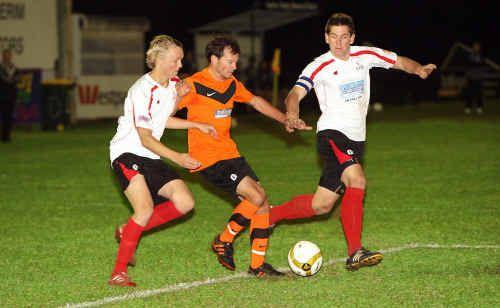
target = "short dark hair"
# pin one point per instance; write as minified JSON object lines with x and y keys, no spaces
{"x":340,"y":19}
{"x":216,"y":46}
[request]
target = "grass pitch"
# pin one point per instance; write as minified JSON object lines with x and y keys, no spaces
{"x":433,"y":177}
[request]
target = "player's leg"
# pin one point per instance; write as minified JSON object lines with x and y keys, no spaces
{"x":227,"y":175}
{"x":139,"y":196}
{"x":251,"y":190}
{"x":330,"y":188}
{"x":351,"y":210}
{"x":351,"y":213}
{"x":180,"y":202}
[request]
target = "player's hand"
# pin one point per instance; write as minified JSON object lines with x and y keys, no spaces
{"x":425,"y":70}
{"x":293,"y":122}
{"x":182,"y":88}
{"x":290,"y":122}
{"x":301,"y":125}
{"x":207,"y":129}
{"x":186,"y":161}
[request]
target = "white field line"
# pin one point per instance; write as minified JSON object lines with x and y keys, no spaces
{"x":191,"y":285}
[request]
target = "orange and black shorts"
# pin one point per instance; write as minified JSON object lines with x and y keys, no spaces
{"x":227,"y":174}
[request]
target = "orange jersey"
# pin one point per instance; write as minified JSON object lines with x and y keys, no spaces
{"x":211,"y":101}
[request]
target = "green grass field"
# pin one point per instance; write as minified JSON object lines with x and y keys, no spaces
{"x":433,"y":178}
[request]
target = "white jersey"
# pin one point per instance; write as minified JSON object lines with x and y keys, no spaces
{"x":343,"y":88}
{"x":148,"y":105}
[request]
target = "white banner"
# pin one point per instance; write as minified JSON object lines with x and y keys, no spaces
{"x":29,"y":28}
{"x":100,"y":97}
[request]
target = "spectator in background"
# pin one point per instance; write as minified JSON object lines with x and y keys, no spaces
{"x":8,"y":92}
{"x":472,"y":91}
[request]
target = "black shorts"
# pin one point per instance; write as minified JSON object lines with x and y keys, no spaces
{"x":227,"y":174}
{"x":155,"y":171}
{"x":337,"y":152}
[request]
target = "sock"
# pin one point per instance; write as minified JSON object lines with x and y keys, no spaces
{"x":162,"y":213}
{"x":298,"y":207}
{"x":239,"y":220}
{"x":259,"y":236}
{"x":351,"y":214}
{"x":131,"y":235}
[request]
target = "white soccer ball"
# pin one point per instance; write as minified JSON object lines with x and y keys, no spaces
{"x":305,"y":258}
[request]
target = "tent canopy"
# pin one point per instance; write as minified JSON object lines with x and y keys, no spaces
{"x":256,"y":21}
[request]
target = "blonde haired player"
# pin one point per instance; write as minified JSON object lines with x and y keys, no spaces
{"x":155,"y":191}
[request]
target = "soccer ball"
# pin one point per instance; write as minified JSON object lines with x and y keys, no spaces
{"x":305,"y":258}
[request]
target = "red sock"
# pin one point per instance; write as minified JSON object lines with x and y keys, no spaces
{"x":298,"y":207}
{"x":162,"y":213}
{"x":351,"y":213}
{"x":131,"y":235}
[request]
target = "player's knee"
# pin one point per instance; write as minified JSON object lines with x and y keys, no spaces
{"x":258,"y":198}
{"x":143,"y":214}
{"x":184,"y":204}
{"x":322,"y":208}
{"x":357,"y":182}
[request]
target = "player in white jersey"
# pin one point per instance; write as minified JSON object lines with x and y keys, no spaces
{"x":341,"y":81}
{"x":155,"y":191}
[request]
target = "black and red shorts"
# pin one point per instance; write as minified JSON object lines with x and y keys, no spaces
{"x":337,"y":152}
{"x":227,"y":174}
{"x":155,"y":172}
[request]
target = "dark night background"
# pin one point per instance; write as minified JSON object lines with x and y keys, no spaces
{"x":422,"y":30}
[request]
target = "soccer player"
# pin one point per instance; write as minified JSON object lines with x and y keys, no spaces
{"x":341,"y":80}
{"x":215,"y":90}
{"x":155,"y":191}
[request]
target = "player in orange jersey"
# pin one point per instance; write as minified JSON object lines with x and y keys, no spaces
{"x":211,"y":101}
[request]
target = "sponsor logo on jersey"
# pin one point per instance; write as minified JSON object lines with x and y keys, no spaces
{"x":352,"y":91}
{"x":223,"y":113}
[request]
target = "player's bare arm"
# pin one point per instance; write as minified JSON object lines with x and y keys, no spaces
{"x":264,"y":107}
{"x":177,"y":123}
{"x":292,"y":102}
{"x":413,"y":67}
{"x":155,"y":146}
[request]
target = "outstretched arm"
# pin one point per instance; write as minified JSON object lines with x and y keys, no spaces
{"x":177,"y":123}
{"x":292,"y":103}
{"x":155,"y":146}
{"x":263,"y":106}
{"x":413,"y":67}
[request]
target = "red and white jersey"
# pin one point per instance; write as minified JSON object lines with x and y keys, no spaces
{"x":343,"y":88}
{"x":148,"y":105}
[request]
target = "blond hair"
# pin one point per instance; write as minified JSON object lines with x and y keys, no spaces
{"x":158,"y":44}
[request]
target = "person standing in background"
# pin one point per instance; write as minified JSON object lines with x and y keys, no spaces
{"x":8,"y":93}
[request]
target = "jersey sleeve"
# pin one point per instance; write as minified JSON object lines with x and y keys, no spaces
{"x":242,"y":94}
{"x":380,"y":57}
{"x":141,"y":106}
{"x":305,"y":79}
